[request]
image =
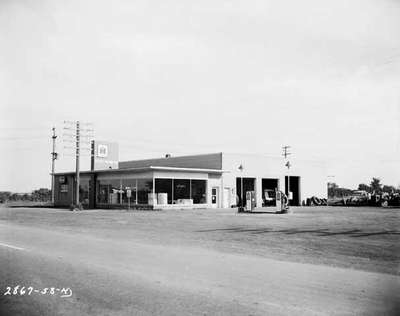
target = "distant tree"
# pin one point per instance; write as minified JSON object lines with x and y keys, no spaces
{"x":364,"y":187}
{"x":4,"y":196}
{"x":42,"y":195}
{"x":376,"y":185}
{"x":14,"y":197}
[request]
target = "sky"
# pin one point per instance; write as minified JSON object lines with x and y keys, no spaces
{"x":186,"y":77}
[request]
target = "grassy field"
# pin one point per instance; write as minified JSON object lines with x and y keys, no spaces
{"x":359,"y":238}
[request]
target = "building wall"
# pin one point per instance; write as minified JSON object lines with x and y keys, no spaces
{"x":124,"y":175}
{"x":312,"y":174}
{"x":64,"y":193}
{"x":313,"y":178}
{"x":63,"y":199}
{"x":207,"y":161}
{"x":180,"y":175}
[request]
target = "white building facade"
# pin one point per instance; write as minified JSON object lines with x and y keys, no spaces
{"x":197,"y":181}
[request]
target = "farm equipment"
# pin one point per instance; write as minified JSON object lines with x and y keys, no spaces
{"x":363,"y":198}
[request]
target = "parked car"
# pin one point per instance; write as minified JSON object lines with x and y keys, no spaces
{"x":358,"y":197}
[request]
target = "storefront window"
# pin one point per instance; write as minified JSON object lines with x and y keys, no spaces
{"x":144,"y":187}
{"x":181,"y":189}
{"x":108,"y":191}
{"x":164,"y":186}
{"x":129,"y":184}
{"x":199,"y":191}
{"x":84,"y":191}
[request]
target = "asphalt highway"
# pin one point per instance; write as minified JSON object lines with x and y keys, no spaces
{"x":126,"y":277}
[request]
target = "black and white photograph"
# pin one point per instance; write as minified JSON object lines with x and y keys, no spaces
{"x":224,"y":157}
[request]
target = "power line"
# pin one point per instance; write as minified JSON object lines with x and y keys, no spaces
{"x":6,"y":138}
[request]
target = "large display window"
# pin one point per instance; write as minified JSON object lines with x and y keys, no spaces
{"x":199,"y":191}
{"x":163,"y":190}
{"x":129,"y":184}
{"x":181,"y":189}
{"x":175,"y":191}
{"x":108,"y":191}
{"x":167,"y":191}
{"x":144,"y":188}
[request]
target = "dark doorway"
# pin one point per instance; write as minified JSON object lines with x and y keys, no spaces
{"x":268,"y":187}
{"x":248,"y":185}
{"x":294,"y":188}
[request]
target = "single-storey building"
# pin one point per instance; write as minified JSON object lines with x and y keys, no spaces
{"x":197,"y":181}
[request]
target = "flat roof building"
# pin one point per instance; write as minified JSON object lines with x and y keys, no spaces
{"x":196,"y":181}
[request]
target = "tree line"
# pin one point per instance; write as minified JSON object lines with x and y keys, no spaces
{"x":375,"y":187}
{"x":40,"y":195}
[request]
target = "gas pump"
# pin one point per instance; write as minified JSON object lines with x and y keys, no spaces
{"x":282,"y":205}
{"x":250,"y":200}
{"x":278,"y":198}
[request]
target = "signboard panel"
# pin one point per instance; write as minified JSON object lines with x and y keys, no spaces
{"x":104,"y":155}
{"x":64,"y":188}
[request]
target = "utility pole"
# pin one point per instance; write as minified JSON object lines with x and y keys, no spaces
{"x":77,"y":157}
{"x":286,"y":154}
{"x":76,"y":137}
{"x":241,"y":187}
{"x":53,"y":159}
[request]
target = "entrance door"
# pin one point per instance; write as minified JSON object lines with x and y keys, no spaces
{"x":214,"y":197}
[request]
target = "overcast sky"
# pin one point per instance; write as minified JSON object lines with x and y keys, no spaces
{"x":185,"y":77}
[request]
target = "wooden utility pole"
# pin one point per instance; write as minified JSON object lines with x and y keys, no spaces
{"x":286,"y":154}
{"x":77,"y":158}
{"x":241,"y":186}
{"x":53,"y":158}
{"x":76,"y":137}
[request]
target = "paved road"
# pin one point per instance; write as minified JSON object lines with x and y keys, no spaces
{"x":114,"y":277}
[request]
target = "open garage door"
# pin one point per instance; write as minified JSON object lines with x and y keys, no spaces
{"x":294,"y":188}
{"x":269,"y":186}
{"x":248,"y":185}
